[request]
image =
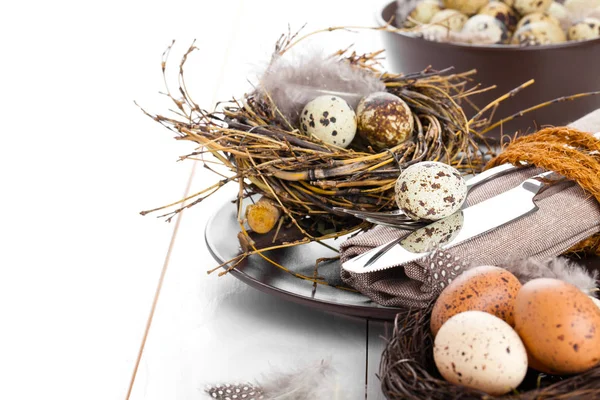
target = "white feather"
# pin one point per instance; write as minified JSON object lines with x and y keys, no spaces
{"x":557,"y":268}
{"x":293,"y":82}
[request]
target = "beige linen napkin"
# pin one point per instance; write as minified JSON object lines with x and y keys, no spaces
{"x":566,"y":216}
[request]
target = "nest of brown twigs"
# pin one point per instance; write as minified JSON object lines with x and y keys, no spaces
{"x":306,"y":177}
{"x":408,"y":371}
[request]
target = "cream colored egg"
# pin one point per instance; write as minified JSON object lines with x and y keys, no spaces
{"x":488,"y":28}
{"x":539,"y":33}
{"x":537,"y":17}
{"x":480,"y":351}
{"x":502,"y":12}
{"x":468,"y":7}
{"x":430,"y":190}
{"x":450,"y":19}
{"x":435,"y":33}
{"x":510,"y":3}
{"x":330,"y":119}
{"x":422,"y":13}
{"x":587,"y":29}
{"x":525,"y":7}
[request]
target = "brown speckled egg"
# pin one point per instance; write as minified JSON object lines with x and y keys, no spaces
{"x":450,"y":19}
{"x":422,"y":13}
{"x":330,"y":119}
{"x":384,"y":120}
{"x":559,"y":325}
{"x":537,"y":17}
{"x":486,"y":288}
{"x":479,"y":350}
{"x":467,"y":7}
{"x":430,"y":190}
{"x":587,"y":29}
{"x":539,"y":33}
{"x":502,"y":13}
{"x":525,"y":7}
{"x":492,"y":30}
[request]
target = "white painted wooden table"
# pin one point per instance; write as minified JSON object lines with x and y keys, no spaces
{"x":79,"y":160}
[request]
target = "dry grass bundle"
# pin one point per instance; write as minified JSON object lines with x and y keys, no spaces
{"x":408,"y":371}
{"x":305,"y":177}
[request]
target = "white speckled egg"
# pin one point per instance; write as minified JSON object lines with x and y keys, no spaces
{"x":537,"y":17}
{"x":430,"y":190}
{"x":480,"y":351}
{"x":525,"y":7}
{"x":587,"y":29}
{"x":487,"y":26}
{"x":468,"y":7}
{"x":539,"y":33}
{"x":422,"y":13}
{"x":502,"y":12}
{"x":330,"y":119}
{"x":450,"y":19}
{"x":384,"y":119}
{"x":434,"y":235}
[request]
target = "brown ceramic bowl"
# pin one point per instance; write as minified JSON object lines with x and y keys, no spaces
{"x":558,"y":70}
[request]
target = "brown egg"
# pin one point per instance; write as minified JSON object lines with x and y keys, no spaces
{"x":487,"y":288}
{"x":559,"y":325}
{"x":384,"y":120}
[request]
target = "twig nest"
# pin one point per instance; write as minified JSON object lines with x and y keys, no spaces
{"x":422,"y":13}
{"x":502,"y":13}
{"x":525,"y":7}
{"x":384,"y":120}
{"x":489,"y":27}
{"x":539,"y":33}
{"x":330,"y":119}
{"x":430,"y":190}
{"x":480,"y":351}
{"x":537,"y":17}
{"x":587,"y":29}
{"x":450,"y":19}
{"x":468,"y":7}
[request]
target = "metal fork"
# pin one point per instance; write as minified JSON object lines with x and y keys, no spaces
{"x":398,"y":219}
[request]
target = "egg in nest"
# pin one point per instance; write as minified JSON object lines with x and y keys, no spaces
{"x":450,"y":19}
{"x":502,"y":12}
{"x":559,"y":325}
{"x":384,"y":120}
{"x":468,"y":7}
{"x":587,"y":29}
{"x":430,"y":190}
{"x":479,"y":350}
{"x":539,"y":33}
{"x":487,"y":27}
{"x":486,"y":288}
{"x":330,"y":119}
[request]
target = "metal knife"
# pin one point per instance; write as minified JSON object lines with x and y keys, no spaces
{"x":456,"y":228}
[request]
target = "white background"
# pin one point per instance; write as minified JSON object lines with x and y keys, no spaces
{"x":78,"y":161}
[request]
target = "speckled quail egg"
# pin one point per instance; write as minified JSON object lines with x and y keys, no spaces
{"x":539,"y":33}
{"x":330,"y":119}
{"x":537,"y":17}
{"x":525,"y":7}
{"x":435,"y":33}
{"x":435,"y":235}
{"x":480,"y":351}
{"x":502,"y":13}
{"x":451,"y":19}
{"x":468,"y":7}
{"x":384,"y":119}
{"x":422,"y":13}
{"x":558,"y":11}
{"x":510,"y":3}
{"x":430,"y":190}
{"x":587,"y":29}
{"x":488,"y":27}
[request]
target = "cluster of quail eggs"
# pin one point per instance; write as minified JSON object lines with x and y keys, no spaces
{"x":383,"y":119}
{"x":517,"y":22}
